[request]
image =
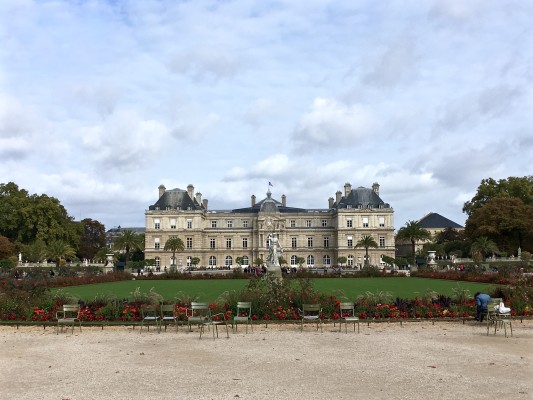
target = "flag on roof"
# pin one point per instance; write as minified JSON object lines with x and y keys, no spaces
{"x":270,"y":184}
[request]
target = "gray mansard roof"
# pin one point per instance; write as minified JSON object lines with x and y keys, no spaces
{"x":176,"y":199}
{"x":268,"y":205}
{"x":361,"y":198}
{"x":437,"y":221}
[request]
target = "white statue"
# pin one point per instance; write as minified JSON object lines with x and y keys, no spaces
{"x":274,"y":250}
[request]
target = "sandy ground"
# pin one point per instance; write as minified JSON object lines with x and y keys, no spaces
{"x":419,"y":360}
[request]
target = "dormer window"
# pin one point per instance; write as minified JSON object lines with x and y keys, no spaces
{"x":348,"y":206}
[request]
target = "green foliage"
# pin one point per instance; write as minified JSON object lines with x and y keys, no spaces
{"x":413,"y":232}
{"x":461,"y":295}
{"x":375,"y":298}
{"x":92,"y":238}
{"x":128,"y":241}
{"x":150,"y":297}
{"x":63,"y":297}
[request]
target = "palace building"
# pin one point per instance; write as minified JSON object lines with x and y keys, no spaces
{"x":318,"y":236}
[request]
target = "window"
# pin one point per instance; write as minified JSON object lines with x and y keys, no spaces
{"x":326,"y":260}
{"x":324,"y":223}
{"x":293,"y":242}
{"x":365,"y":222}
{"x":157,"y":262}
{"x":308,"y":223}
{"x":292,"y":223}
{"x":326,"y":242}
{"x":189,"y":224}
{"x":350,"y":261}
{"x":188,"y":261}
{"x":167,"y":208}
{"x":382,"y":241}
{"x":309,"y":242}
{"x":229,"y":223}
{"x":228,"y":243}
{"x":381,"y":222}
{"x":310,"y":261}
{"x":172,"y":223}
{"x":212,"y":261}
{"x":212,"y":242}
{"x":244,"y":243}
{"x":245,"y":223}
{"x":157,"y":223}
{"x":349,"y":240}
{"x":229,"y":261}
{"x":349,"y":223}
{"x":348,"y":206}
{"x":245,"y":260}
{"x":189,"y":242}
{"x":294,"y":260}
{"x":213,"y":224}
{"x":157,"y":243}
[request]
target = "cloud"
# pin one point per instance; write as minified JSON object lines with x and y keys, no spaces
{"x":206,"y":63}
{"x":330,"y":123}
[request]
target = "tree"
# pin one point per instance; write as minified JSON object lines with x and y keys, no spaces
{"x":7,"y":249}
{"x":342,"y":260}
{"x":448,"y":235}
{"x":366,"y":242}
{"x":59,"y":251}
{"x":128,"y":241}
{"x":174,"y":244}
{"x":483,"y":246}
{"x":35,"y":251}
{"x":300,"y":261}
{"x":413,"y":232}
{"x":505,"y":220}
{"x":489,"y":189}
{"x":195,"y":261}
{"x":92,"y":238}
{"x":282,"y":260}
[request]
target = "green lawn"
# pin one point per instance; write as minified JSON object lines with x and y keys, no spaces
{"x":209,"y":290}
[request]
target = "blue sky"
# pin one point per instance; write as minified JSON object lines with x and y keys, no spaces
{"x":103,"y":101}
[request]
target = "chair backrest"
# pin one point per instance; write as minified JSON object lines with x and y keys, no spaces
{"x":168,"y":309}
{"x":244,"y":307}
{"x":148,"y":310}
{"x":311,"y":308}
{"x":199,"y":309}
{"x":71,"y":308}
{"x":347,"y":308}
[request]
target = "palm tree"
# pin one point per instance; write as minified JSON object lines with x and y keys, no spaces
{"x":366,"y":242}
{"x":413,"y":232}
{"x":483,"y":246}
{"x":174,"y":244}
{"x":59,"y":250}
{"x":128,"y":241}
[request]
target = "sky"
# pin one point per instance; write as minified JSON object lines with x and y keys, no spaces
{"x":102,"y":101}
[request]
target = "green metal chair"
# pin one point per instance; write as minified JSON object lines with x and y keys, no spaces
{"x":150,"y":314}
{"x":70,"y":314}
{"x":169,"y":315}
{"x":347,"y":315}
{"x":212,"y":322}
{"x":197,"y":314}
{"x":244,"y":315}
{"x":311,"y":313}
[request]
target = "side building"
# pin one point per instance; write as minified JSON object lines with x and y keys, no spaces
{"x":319,"y":236}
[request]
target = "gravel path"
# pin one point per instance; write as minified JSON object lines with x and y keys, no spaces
{"x":419,"y":360}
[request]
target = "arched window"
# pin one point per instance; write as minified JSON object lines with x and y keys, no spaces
{"x":245,"y":260}
{"x":229,"y":261}
{"x":294,"y":260}
{"x":327,"y":260}
{"x":310,"y":261}
{"x":157,"y":261}
{"x":212,"y":261}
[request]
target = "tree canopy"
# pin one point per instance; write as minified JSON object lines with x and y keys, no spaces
{"x":413,"y":232}
{"x":512,"y":187}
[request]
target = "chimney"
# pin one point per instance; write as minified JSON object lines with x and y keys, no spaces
{"x":338,"y":196}
{"x":162,"y":189}
{"x":190,"y":191}
{"x":253,"y":200}
{"x":205,"y":204}
{"x":330,"y":202}
{"x":347,"y":189}
{"x":375,"y":188}
{"x":284,"y":200}
{"x":199,"y":197}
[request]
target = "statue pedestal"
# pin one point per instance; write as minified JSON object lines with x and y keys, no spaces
{"x":275,"y":272}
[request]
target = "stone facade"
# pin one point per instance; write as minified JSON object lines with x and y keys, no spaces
{"x":319,"y":236}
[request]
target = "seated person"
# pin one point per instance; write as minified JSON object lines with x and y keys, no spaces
{"x":482,"y":302}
